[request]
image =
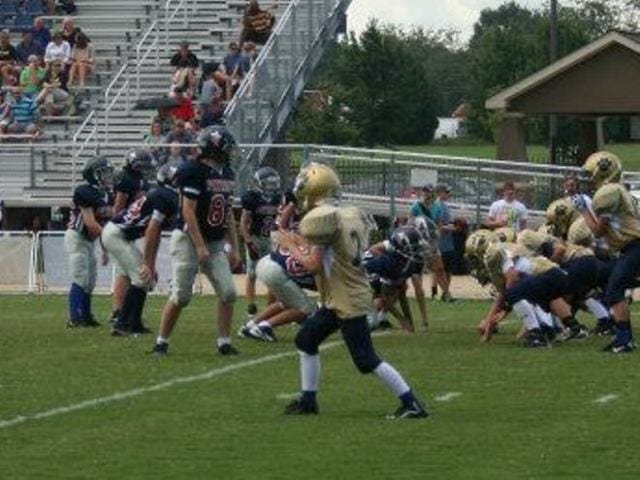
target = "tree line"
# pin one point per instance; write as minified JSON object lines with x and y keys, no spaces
{"x":387,"y":86}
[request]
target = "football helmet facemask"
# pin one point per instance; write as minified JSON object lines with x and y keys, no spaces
{"x":98,"y":171}
{"x":315,"y":184}
{"x":602,"y":168}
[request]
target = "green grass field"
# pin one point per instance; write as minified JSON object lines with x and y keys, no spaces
{"x":95,"y":407}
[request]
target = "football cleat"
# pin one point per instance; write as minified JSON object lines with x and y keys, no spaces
{"x":141,"y":329}
{"x":536,"y":338}
{"x":119,"y":331}
{"x":245,"y":332}
{"x":416,"y":410}
{"x":385,"y":325}
{"x":160,"y":349}
{"x":298,"y":407}
{"x":263,"y":333}
{"x":227,"y":349}
{"x":576,"y":331}
{"x":605,"y":328}
{"x":91,"y":322}
{"x":621,"y":347}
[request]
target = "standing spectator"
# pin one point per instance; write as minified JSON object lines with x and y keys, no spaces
{"x":185,"y":109}
{"x":57,"y":92}
{"x":180,"y":135}
{"x":507,"y":212}
{"x":40,"y":33}
{"x":5,"y":112}
{"x":82,"y":58}
{"x":58,"y":49}
{"x":24,"y":113}
{"x":153,"y":138}
{"x":441,"y":216}
{"x":32,"y":76}
{"x":28,"y":47}
{"x":185,"y":64}
{"x":257,"y":23}
{"x":422,"y":207}
{"x":8,"y":59}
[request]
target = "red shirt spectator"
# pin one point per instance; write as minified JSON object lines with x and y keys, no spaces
{"x":185,"y":109}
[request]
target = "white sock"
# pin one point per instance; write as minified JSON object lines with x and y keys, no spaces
{"x":596,"y":308}
{"x":528,"y":315}
{"x":309,"y":372}
{"x":162,"y":339}
{"x":392,"y":379}
{"x":544,"y":317}
{"x":264,"y":324}
{"x":224,"y":341}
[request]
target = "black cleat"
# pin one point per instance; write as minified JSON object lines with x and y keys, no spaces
{"x":140,"y":330}
{"x":575,"y":331}
{"x":227,"y":349}
{"x":621,"y":347}
{"x":385,"y":325}
{"x":536,"y":338}
{"x":119,"y":331}
{"x":605,"y":328}
{"x":416,"y":410}
{"x":297,"y":407}
{"x":549,"y":332}
{"x":160,"y":349}
{"x":91,"y":322}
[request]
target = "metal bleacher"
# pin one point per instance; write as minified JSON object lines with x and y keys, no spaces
{"x":134,"y":40}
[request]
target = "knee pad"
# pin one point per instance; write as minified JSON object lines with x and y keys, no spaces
{"x":305,"y":343}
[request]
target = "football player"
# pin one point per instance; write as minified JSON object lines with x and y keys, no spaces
{"x":145,"y":217}
{"x":614,"y":217}
{"x":90,"y":208}
{"x":560,"y":216}
{"x":130,"y":184}
{"x":338,"y":236}
{"x":205,"y":220}
{"x":259,"y":212}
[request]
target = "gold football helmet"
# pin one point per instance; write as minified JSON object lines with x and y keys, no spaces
{"x":506,"y":234}
{"x":602,"y":168}
{"x":580,"y":234}
{"x":560,"y":215}
{"x":533,"y":240}
{"x":316,"y":183}
{"x":478,"y":242}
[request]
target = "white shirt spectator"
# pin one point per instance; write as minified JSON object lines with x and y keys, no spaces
{"x":513,"y":214}
{"x":60,"y":52}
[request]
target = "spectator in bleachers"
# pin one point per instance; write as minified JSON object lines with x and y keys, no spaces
{"x":40,"y":33}
{"x":180,"y":135}
{"x":56,"y":88}
{"x":233,"y":68}
{"x":24,"y":113}
{"x":69,"y":31}
{"x":257,"y":24}
{"x":184,"y":110}
{"x":58,"y":49}
{"x":210,"y":114}
{"x":51,"y":7}
{"x":32,"y":76}
{"x":67,"y":6}
{"x":8,"y":59}
{"x":153,"y":138}
{"x":165,"y":119}
{"x":27,"y":47}
{"x":83,"y":60}
{"x":211,"y":90}
{"x":185,"y":63}
{"x":5,"y":111}
{"x":176,"y":155}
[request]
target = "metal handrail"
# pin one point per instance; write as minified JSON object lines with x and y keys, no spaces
{"x":168,"y":17}
{"x":124,"y":71}
{"x":77,"y":151}
{"x":155,"y":44}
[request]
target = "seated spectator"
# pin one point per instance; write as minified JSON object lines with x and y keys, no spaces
{"x":8,"y":59}
{"x":68,"y":7}
{"x":83,"y":60}
{"x":58,"y":49}
{"x":51,"y":7}
{"x":184,"y":110}
{"x":27,"y":47}
{"x":233,"y":68}
{"x":5,"y":111}
{"x":180,"y":135}
{"x":185,"y":64}
{"x":175,"y":156}
{"x":32,"y":76}
{"x":211,"y":90}
{"x":249,"y":56}
{"x":56,"y":89}
{"x":257,"y":24}
{"x":69,"y":31}
{"x":24,"y":113}
{"x":165,"y":119}
{"x":40,"y":33}
{"x":210,"y":114}
{"x":153,"y":138}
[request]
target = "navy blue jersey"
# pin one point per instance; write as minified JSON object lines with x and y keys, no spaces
{"x":391,"y":268}
{"x":88,"y":196}
{"x":131,"y":183}
{"x":264,"y":210}
{"x":212,"y":189}
{"x":294,"y":220}
{"x":294,"y":270}
{"x":160,"y":203}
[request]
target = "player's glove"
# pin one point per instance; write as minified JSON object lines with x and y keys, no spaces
{"x":579,"y":202}
{"x":252,"y":249}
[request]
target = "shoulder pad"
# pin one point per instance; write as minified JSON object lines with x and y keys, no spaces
{"x":607,"y":198}
{"x":320,"y":225}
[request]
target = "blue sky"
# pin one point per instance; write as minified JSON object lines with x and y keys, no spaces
{"x":458,"y":14}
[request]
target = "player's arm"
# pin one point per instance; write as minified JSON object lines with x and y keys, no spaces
{"x":496,"y":314}
{"x":190,"y":219}
{"x":120,"y":202}
{"x":597,"y":224}
{"x":511,"y":277}
{"x":559,"y":251}
{"x":284,"y":218}
{"x":90,"y":222}
{"x":152,"y":237}
{"x":310,"y":258}
{"x":245,"y":230}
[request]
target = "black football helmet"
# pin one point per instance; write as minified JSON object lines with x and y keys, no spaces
{"x":216,"y":143}
{"x":409,"y":242}
{"x":167,"y":174}
{"x":142,"y":162}
{"x":98,"y":171}
{"x":267,"y":181}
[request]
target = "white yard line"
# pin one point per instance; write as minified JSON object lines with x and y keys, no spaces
{"x":287,"y":396}
{"x":606,"y":398}
{"x":447,"y":397}
{"x":136,"y":392}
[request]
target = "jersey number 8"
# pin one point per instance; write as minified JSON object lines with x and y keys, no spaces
{"x":217,"y":210}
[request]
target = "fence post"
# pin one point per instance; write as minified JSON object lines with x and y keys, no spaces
{"x":478,"y":175}
{"x":392,"y":193}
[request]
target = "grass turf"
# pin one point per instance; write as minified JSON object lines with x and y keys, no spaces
{"x":521,"y":414}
